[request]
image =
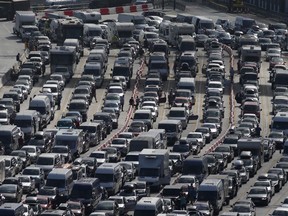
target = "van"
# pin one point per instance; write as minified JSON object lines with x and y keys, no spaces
{"x":29,"y":121}
{"x":71,"y":42}
{"x":110,"y":176}
{"x":74,"y":138}
{"x":94,"y":132}
{"x":62,"y":179}
{"x":159,"y":136}
{"x":145,"y":116}
{"x":95,"y":69}
{"x":55,"y":89}
{"x":190,"y":58}
{"x":12,"y":209}
{"x":187,"y":83}
{"x":42,"y":105}
{"x":91,"y":30}
{"x":139,"y":143}
{"x":179,"y":113}
{"x":212,"y":190}
{"x":88,"y":191}
{"x":173,"y":130}
{"x":10,"y":135}
{"x":101,"y":52}
{"x":196,"y":165}
{"x":151,"y":206}
{"x":280,"y":79}
{"x":49,"y":161}
{"x":243,"y":24}
{"x":280,"y":122}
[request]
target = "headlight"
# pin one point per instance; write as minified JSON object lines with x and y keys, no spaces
{"x":264,"y":198}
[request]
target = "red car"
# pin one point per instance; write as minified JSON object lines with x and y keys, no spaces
{"x":276,"y":61}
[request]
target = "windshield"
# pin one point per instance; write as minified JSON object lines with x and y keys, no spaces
{"x":257,"y":191}
{"x":81,"y":191}
{"x":45,"y":161}
{"x":132,"y":158}
{"x":60,"y":59}
{"x":105,"y":177}
{"x":154,"y":172}
{"x":206,"y":195}
{"x":200,"y":206}
{"x":168,"y":127}
{"x":171,"y":192}
{"x":94,"y":71}
{"x":176,"y":113}
{"x":181,"y":148}
{"x":194,"y":136}
{"x":144,"y":212}
{"x":10,"y":189}
{"x":77,"y":106}
{"x":243,"y":209}
{"x":6,"y":139}
{"x":59,"y":150}
{"x":30,"y":172}
{"x":186,"y":180}
{"x":157,"y":65}
{"x":64,"y":123}
{"x":41,"y":110}
{"x":141,"y":116}
{"x":279,"y":126}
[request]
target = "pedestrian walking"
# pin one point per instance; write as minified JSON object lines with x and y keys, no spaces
{"x":183,"y":202}
{"x":59,"y":102}
{"x":18,"y":59}
{"x":43,"y":69}
{"x":137,"y":102}
{"x":122,"y":102}
{"x":191,"y":193}
{"x":94,"y":93}
{"x":131,"y":101}
{"x":258,"y":130}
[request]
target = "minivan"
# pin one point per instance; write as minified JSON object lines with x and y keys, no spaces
{"x":145,"y":116}
{"x":151,"y":206}
{"x":196,"y":165}
{"x":49,"y":161}
{"x":179,"y":113}
{"x":42,"y":105}
{"x":10,"y":138}
{"x":88,"y":191}
{"x":173,"y":130}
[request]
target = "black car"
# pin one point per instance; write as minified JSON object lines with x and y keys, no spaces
{"x":52,"y":193}
{"x":91,"y":165}
{"x":213,"y":164}
{"x":42,"y":140}
{"x":106,"y":117}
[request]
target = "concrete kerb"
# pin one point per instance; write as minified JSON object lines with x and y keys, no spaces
{"x":130,"y":110}
{"x":231,"y":102}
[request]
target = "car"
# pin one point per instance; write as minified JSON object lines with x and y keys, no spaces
{"x":130,"y":169}
{"x":137,"y":127}
{"x":24,"y":157}
{"x":52,"y":193}
{"x":33,"y":152}
{"x":12,"y":193}
{"x":272,"y":52}
{"x":213,"y":164}
{"x":268,"y":184}
{"x":204,"y":207}
{"x":113,"y":154}
{"x":206,"y":133}
{"x":226,"y":150}
{"x":198,"y":137}
{"x":27,"y":184}
{"x":41,"y":140}
{"x":259,"y":195}
{"x":276,"y":61}
{"x":244,"y":209}
{"x":222,"y":159}
{"x":77,"y":208}
{"x":109,"y":206}
{"x":121,"y":144}
{"x":35,"y":173}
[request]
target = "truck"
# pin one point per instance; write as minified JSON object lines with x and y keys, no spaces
{"x":8,"y":8}
{"x":228,"y":186}
{"x":154,"y":167}
{"x":212,"y":190}
{"x":255,"y":146}
{"x":178,"y":29}
{"x":23,"y":18}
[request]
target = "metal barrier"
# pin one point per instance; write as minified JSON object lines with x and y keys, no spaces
{"x":130,"y":110}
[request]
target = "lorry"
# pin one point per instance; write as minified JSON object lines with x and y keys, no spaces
{"x":23,"y":18}
{"x":212,"y":190}
{"x":228,"y":186}
{"x":8,"y":8}
{"x":255,"y":146}
{"x":154,"y":167}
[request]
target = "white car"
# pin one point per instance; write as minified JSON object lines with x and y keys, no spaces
{"x":197,"y":136}
{"x":215,"y":85}
{"x":153,"y":111}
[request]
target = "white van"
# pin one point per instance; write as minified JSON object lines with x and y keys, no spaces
{"x":110,"y":176}
{"x":90,"y":31}
{"x":29,"y":121}
{"x":151,"y":206}
{"x":179,"y":113}
{"x":187,"y":83}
